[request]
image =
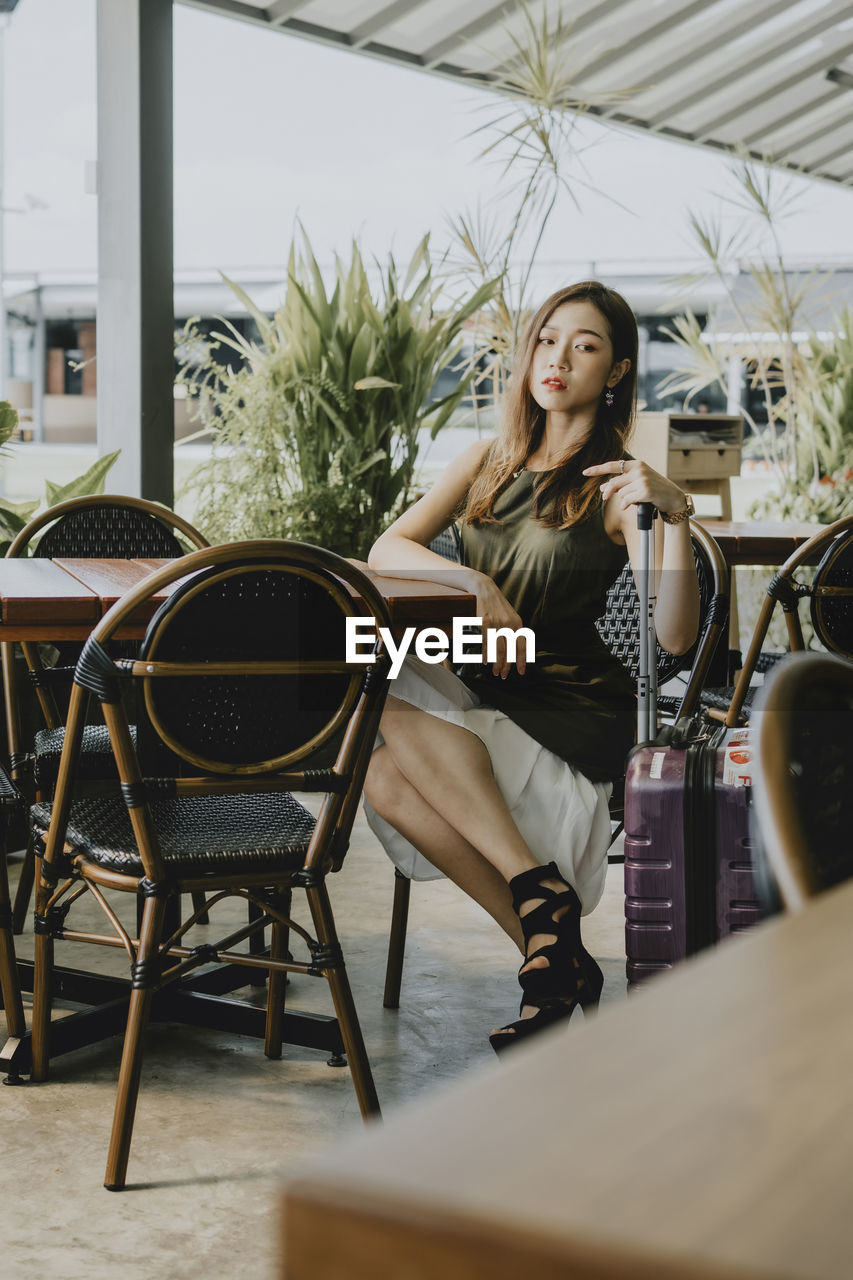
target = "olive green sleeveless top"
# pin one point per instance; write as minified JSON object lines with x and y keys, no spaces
{"x":577,"y":699}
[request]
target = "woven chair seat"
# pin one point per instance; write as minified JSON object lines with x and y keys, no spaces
{"x":198,"y":835}
{"x":9,"y":794}
{"x":96,"y":756}
{"x":721,"y":699}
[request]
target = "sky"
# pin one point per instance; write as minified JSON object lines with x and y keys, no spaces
{"x":269,"y":128}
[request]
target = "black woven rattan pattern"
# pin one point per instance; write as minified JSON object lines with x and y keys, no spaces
{"x":96,"y":756}
{"x":448,"y":544}
{"x":619,"y":625}
{"x":9,"y":794}
{"x":109,"y":532}
{"x":722,"y":698}
{"x":832,"y":617}
{"x":821,"y":768}
{"x":255,"y":614}
{"x":198,"y":834}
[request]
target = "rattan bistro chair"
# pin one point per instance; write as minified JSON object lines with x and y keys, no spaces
{"x":244,"y":685}
{"x":102,"y":526}
{"x":619,"y":628}
{"x":803,"y":778}
{"x":830,"y":596}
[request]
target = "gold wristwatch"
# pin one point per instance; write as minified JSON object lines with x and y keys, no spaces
{"x":677,"y":516}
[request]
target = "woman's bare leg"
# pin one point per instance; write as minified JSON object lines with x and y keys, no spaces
{"x":396,"y":800}
{"x":450,"y":768}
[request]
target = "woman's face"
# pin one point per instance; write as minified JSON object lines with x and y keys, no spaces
{"x":573,"y":359}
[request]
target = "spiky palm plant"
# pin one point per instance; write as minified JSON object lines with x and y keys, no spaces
{"x":14,"y":515}
{"x":806,"y":379}
{"x":315,"y":434}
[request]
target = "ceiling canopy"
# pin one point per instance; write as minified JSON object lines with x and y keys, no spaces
{"x":773,"y":76}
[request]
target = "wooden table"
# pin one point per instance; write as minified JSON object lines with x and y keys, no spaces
{"x":63,"y":599}
{"x":702,"y":1129}
{"x":755,"y":542}
{"x":52,"y":600}
{"x":759,"y":542}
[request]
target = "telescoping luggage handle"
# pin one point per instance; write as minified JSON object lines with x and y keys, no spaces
{"x":647,"y":676}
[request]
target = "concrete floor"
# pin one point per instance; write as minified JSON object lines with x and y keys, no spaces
{"x":219,"y":1126}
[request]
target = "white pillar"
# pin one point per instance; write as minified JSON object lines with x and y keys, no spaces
{"x":734,"y":385}
{"x":135,"y":336}
{"x":3,"y":353}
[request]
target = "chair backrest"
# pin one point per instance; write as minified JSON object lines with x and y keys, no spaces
{"x":244,"y":667}
{"x":448,"y":544}
{"x":110,"y":526}
{"x":803,"y":775}
{"x":619,"y":625}
{"x":832,"y":596}
{"x":244,"y":615}
{"x":107,"y":525}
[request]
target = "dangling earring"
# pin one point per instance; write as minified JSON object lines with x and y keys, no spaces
{"x":608,"y":397}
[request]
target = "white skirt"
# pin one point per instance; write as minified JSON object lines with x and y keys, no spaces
{"x":563,"y":817}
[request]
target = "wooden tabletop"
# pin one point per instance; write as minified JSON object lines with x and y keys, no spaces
{"x":702,"y":1129}
{"x":62,"y":599}
{"x":759,"y":542}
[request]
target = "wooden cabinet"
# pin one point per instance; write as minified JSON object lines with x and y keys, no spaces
{"x":699,"y":451}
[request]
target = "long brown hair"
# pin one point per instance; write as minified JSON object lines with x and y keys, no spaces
{"x":564,"y":496}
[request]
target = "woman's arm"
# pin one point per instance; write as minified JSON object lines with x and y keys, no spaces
{"x":676,"y":586}
{"x":402,"y":550}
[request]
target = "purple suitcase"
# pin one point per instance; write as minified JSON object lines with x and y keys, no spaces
{"x":688,"y":868}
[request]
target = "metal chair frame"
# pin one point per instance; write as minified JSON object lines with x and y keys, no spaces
{"x":158,"y":955}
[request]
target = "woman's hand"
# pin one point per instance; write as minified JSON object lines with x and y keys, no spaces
{"x":496,"y":611}
{"x":676,"y":588}
{"x":630,"y":481}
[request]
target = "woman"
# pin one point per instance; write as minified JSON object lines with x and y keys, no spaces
{"x":501,"y":779}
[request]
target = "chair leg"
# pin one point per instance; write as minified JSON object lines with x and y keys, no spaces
{"x":345,"y":1011}
{"x":397,"y":941}
{"x":145,"y":979}
{"x":256,"y":948}
{"x":24,"y":891}
{"x":198,"y":903}
{"x":354,"y":1046}
{"x":42,"y":999}
{"x":10,"y":988}
{"x":276,"y":993}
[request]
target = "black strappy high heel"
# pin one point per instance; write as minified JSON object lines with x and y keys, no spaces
{"x":571,"y":977}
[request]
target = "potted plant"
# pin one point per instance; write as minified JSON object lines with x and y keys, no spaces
{"x":315,"y":431}
{"x":14,"y":515}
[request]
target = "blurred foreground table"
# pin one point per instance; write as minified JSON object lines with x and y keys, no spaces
{"x":703,"y":1129}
